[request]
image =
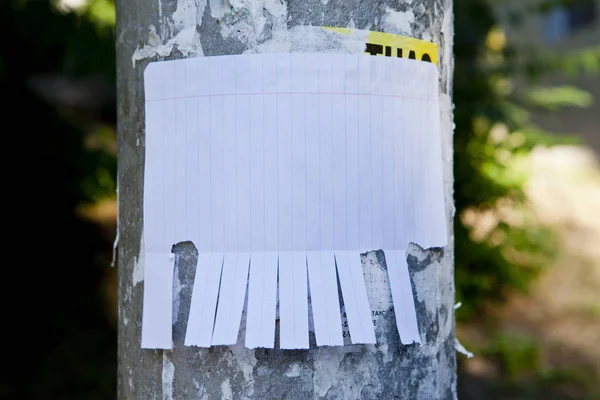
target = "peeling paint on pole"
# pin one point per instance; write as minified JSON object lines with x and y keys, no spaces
{"x":166,"y":29}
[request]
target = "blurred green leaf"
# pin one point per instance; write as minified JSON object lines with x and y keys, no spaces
{"x":557,"y":97}
{"x":102,"y":12}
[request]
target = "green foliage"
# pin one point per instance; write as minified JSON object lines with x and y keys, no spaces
{"x":583,"y":61}
{"x":517,"y":354}
{"x":493,"y":136}
{"x":100,"y":182}
{"x":518,"y":357}
{"x":556,"y":97}
{"x":101,"y":13}
{"x":593,"y":309}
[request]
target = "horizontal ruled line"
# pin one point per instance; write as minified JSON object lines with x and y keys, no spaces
{"x":290,"y":93}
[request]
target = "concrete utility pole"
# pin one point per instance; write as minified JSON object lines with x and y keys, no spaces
{"x":165,"y":29}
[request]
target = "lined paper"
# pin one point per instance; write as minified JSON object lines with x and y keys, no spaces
{"x":293,"y":301}
{"x":262,"y":301}
{"x":283,"y":169}
{"x":324,"y":298}
{"x":232,"y":292}
{"x":204,"y":300}
{"x":354,"y":291}
{"x":158,"y":296}
{"x":404,"y":308}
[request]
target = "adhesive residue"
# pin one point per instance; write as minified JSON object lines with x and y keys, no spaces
{"x":138,"y":265}
{"x":218,"y":8}
{"x":185,"y":19}
{"x":177,"y":286}
{"x":226,"y":393}
{"x":168,"y":371}
{"x":293,"y":371}
{"x":313,"y":39}
{"x":398,"y":22}
{"x":334,"y":378}
{"x":250,"y":30}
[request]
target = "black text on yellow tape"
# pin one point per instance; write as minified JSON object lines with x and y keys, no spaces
{"x":387,"y":44}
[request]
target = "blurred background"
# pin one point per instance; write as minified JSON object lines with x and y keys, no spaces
{"x":527,"y":192}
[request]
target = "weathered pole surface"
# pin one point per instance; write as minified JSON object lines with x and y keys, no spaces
{"x":149,"y":30}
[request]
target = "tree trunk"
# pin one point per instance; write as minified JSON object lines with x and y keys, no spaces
{"x":167,"y":29}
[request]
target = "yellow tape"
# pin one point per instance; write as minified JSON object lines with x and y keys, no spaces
{"x":387,"y":44}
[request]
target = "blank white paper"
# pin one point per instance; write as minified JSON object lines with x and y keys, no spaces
{"x":254,"y":324}
{"x":204,"y":300}
{"x":158,"y":296}
{"x":324,"y":298}
{"x":356,"y":302}
{"x":293,"y":301}
{"x":402,"y":295}
{"x":232,"y":293}
{"x":283,"y":169}
{"x":262,"y":301}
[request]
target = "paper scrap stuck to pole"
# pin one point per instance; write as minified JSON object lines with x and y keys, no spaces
{"x":282,"y":169}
